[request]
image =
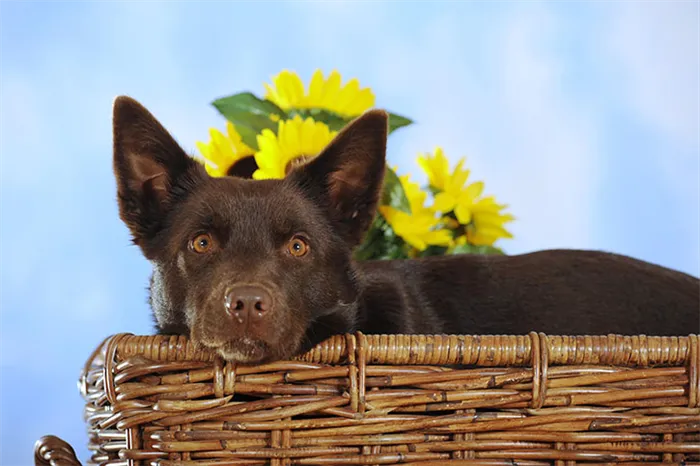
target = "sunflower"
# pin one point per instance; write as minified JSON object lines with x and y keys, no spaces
{"x":349,"y":100}
{"x":296,"y":141}
{"x":451,"y":192}
{"x":414,"y":194}
{"x":222,"y":152}
{"x":488,"y":222}
{"x":436,"y":167}
{"x":420,"y":228}
{"x":482,"y":218}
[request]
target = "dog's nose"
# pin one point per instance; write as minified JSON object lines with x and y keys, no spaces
{"x":247,"y":302}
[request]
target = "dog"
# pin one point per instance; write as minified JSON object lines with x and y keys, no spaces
{"x":262,"y":270}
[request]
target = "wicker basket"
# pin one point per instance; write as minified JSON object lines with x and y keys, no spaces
{"x":360,"y":399}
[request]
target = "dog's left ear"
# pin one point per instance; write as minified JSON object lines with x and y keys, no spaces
{"x":346,"y":177}
{"x":150,"y":169}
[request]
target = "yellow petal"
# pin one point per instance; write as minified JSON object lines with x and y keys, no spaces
{"x":331,"y":89}
{"x":261,"y":175}
{"x":480,"y":239}
{"x":203,"y":149}
{"x":457,"y":180}
{"x":320,"y":137}
{"x":417,"y":242}
{"x":272,"y":95}
{"x":291,"y":140}
{"x":389,"y":213}
{"x":315,"y":96}
{"x":472,"y":192}
{"x":268,"y":154}
{"x":223,"y":153}
{"x":297,"y":88}
{"x":283,"y":88}
{"x":436,"y":167}
{"x":424,"y":163}
{"x":463,"y":214}
{"x":490,"y":218}
{"x":307,"y":136}
{"x":346,"y":94}
{"x":415,"y":195}
{"x":287,"y":91}
{"x":442,"y":168}
{"x":493,"y":230}
{"x":364,"y":100}
{"x":444,"y":202}
{"x":438,"y":238}
{"x":211,"y":170}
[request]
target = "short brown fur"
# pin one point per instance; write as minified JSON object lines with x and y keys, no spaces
{"x":166,"y":199}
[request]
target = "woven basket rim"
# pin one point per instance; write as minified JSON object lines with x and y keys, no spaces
{"x":481,"y":350}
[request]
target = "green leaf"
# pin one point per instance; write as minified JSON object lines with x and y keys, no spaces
{"x":397,"y":121}
{"x":249,"y":114}
{"x":433,"y":190}
{"x":393,"y":194}
{"x":471,"y":249}
{"x":334,"y":121}
{"x":488,"y":250}
{"x":248,"y":134}
{"x":381,"y":243}
{"x":461,"y":249}
{"x":374,"y":241}
{"x":433,"y":250}
{"x":398,"y":251}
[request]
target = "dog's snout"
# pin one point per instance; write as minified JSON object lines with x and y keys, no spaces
{"x":246,"y":302}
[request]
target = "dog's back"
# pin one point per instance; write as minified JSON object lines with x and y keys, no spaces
{"x":554,"y":291}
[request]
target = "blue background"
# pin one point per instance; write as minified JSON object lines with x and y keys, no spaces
{"x":582,"y":116}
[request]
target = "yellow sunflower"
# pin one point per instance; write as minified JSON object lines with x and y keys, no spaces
{"x":420,"y":228}
{"x":452,"y":194}
{"x":436,"y":167}
{"x":349,"y":100}
{"x":414,"y":194}
{"x":482,"y":218}
{"x":296,"y":141}
{"x":487,"y":224}
{"x":223,"y":151}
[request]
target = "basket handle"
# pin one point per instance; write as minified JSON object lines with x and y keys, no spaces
{"x":50,"y":450}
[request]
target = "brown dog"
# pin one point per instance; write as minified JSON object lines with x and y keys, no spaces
{"x":261,"y":270}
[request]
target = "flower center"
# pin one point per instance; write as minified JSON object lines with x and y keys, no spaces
{"x":243,"y":168}
{"x":296,"y":162}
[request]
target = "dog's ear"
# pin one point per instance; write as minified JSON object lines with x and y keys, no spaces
{"x":346,"y":177}
{"x":150,"y":167}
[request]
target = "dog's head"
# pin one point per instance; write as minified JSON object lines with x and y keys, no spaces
{"x":256,"y":270}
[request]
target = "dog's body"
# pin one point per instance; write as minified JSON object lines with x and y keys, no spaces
{"x":555,"y":291}
{"x":261,"y":270}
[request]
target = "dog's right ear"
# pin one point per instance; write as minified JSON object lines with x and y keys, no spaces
{"x":148,"y":165}
{"x":346,"y":177}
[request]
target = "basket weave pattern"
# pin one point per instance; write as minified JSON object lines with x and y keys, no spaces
{"x":400,"y":399}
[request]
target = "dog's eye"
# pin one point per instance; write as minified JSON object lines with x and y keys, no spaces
{"x":298,"y":247}
{"x":202,"y":243}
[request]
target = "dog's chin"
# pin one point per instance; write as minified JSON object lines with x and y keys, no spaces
{"x":245,"y":351}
